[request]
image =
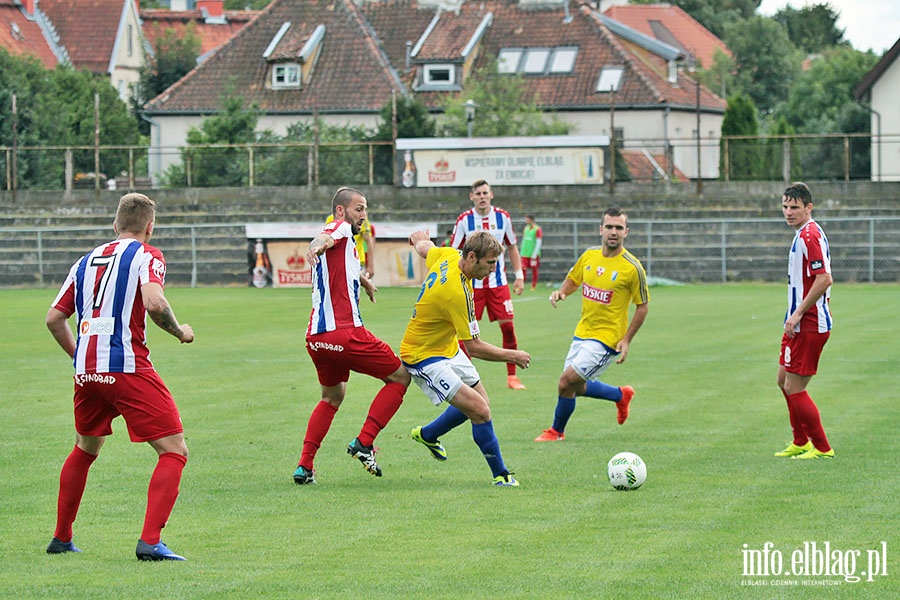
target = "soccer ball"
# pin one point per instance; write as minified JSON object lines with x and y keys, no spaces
{"x":626,"y":471}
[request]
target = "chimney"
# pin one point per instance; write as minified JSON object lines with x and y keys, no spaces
{"x":213,"y":8}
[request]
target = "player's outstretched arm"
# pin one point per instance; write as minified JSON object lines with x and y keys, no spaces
{"x":478,"y":348}
{"x":160,"y":311}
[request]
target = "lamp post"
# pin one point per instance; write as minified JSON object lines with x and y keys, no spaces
{"x":610,"y":79}
{"x":470,"y":114}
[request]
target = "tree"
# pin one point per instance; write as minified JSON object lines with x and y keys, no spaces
{"x":174,"y":56}
{"x":715,"y":15}
{"x":217,"y":167}
{"x":56,"y":108}
{"x":821,"y":93}
{"x":413,"y":121}
{"x":812,"y":28}
{"x":743,"y":154}
{"x":766,"y":62}
{"x":246,"y":4}
{"x":504,"y":108}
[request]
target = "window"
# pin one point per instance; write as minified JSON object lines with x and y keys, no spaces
{"x":438,"y":75}
{"x":563,"y":60}
{"x":130,"y":40}
{"x":537,"y":61}
{"x":508,"y":60}
{"x":286,"y":76}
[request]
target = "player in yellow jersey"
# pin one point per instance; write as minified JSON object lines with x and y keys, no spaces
{"x":365,"y":246}
{"x":610,"y":279}
{"x":443,"y":316}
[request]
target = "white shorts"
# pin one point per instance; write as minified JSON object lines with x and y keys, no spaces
{"x":440,"y":378}
{"x":589,"y":358}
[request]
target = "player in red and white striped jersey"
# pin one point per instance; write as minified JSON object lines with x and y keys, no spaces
{"x":337,"y":341}
{"x":493,"y":290}
{"x":807,"y":324}
{"x":111,"y":290}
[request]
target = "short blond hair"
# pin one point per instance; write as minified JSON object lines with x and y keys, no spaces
{"x":482,"y":243}
{"x":134,"y":213}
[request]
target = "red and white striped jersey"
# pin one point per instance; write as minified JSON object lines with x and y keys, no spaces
{"x":499,"y":223}
{"x":810,"y":256}
{"x":104,"y":290}
{"x":335,"y":283}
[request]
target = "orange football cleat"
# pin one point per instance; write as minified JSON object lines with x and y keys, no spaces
{"x":513,"y":383}
{"x":550,"y":435}
{"x":622,"y":405}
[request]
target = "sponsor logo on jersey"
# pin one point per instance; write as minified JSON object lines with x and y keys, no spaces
{"x":314,"y":346}
{"x":104,"y":378}
{"x":816,"y":265}
{"x":98,"y":326}
{"x":596,"y":294}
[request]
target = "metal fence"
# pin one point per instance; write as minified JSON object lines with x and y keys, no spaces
{"x":864,"y":249}
{"x":827,"y":157}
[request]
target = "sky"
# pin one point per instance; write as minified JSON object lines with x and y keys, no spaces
{"x":868,"y":24}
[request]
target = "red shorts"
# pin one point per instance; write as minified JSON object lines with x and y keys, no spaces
{"x":336,"y":353}
{"x":530,"y":263}
{"x":800,"y":354}
{"x":141,"y":398}
{"x":498,"y":302}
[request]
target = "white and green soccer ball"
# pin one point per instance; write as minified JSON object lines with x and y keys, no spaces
{"x":627,"y":471}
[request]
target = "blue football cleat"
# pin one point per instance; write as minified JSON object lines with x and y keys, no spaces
{"x":58,"y":547}
{"x":160,"y":551}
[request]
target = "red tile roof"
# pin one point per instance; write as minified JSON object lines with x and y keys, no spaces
{"x":88,"y":28}
{"x":22,"y":36}
{"x":212,"y":35}
{"x":351,"y":75}
{"x":671,"y":25}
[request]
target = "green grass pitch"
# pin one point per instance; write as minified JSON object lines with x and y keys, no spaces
{"x":706,"y":418}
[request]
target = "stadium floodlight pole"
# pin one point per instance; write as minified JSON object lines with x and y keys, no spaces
{"x":610,"y":80}
{"x":470,"y":114}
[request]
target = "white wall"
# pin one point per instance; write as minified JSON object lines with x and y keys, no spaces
{"x":652,"y":129}
{"x":885,"y":92}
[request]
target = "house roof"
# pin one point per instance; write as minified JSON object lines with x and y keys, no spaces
{"x":372,"y":49}
{"x":865,"y":86}
{"x":670,"y":24}
{"x":88,"y":28}
{"x":212,"y":32}
{"x":350,"y":75}
{"x":21,"y":35}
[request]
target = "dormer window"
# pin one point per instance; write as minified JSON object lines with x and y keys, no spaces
{"x":292,"y":55}
{"x":286,"y":76}
{"x":537,"y":61}
{"x":438,"y":75}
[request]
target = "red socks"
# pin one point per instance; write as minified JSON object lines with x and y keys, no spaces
{"x":510,"y":343}
{"x":161,"y":494}
{"x":318,"y":426}
{"x":383,"y":407}
{"x":802,"y":409}
{"x":72,"y":480}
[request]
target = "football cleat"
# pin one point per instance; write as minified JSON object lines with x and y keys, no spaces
{"x":794,"y":450}
{"x":160,"y":551}
{"x":622,"y":405}
{"x":365,"y":455}
{"x":304,"y":476}
{"x":809,"y":454}
{"x":506,"y":480}
{"x":550,"y":435}
{"x":435,"y":447}
{"x":514,"y":383}
{"x":58,"y":547}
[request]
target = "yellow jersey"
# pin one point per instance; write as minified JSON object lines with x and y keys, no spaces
{"x":444,"y":312}
{"x":608,"y":286}
{"x":365,"y":228}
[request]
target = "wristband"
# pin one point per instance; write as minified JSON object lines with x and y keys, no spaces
{"x":520,"y":274}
